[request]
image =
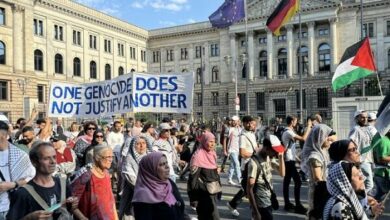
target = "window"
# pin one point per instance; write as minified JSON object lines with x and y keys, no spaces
{"x":92,"y":42}
{"x":280,"y":108}
{"x":183,"y":53}
{"x":297,"y":100}
{"x":323,"y":31}
{"x":132,"y":53}
{"x":227,"y":98}
{"x":368,"y":30}
{"x":214,"y":50}
{"x":243,"y":43}
{"x":263,"y":63}
{"x":388,"y":28}
{"x":303,"y":60}
{"x":304,"y":34}
{"x":58,"y":64}
{"x":41,"y":93}
{"x":198,"y":75}
{"x":260,"y":100}
{"x":324,"y":57}
{"x":243,"y":71}
{"x":242,"y":97}
{"x":156,"y":56}
{"x":92,"y":70}
{"x":107,"y":72}
{"x":38,"y":60}
{"x":322,"y":97}
{"x":76,"y":67}
{"x":262,"y":40}
{"x":2,"y":16}
{"x":38,"y":27}
{"x":121,"y":50}
{"x":2,"y":53}
{"x":282,"y":38}
{"x":143,"y":55}
{"x":198,"y":50}
{"x":107,"y":46}
{"x":121,"y":71}
{"x":282,"y":62}
{"x":169,"y":55}
{"x":3,"y":90}
{"x":76,"y":37}
{"x":214,"y":74}
{"x":215,"y":98}
{"x":200,"y":99}
{"x":58,"y":32}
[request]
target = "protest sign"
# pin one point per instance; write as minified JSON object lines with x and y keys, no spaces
{"x":136,"y":92}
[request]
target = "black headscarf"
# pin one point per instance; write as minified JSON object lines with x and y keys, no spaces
{"x":338,"y":150}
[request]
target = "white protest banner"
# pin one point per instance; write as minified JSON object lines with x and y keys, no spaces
{"x":163,"y":93}
{"x":171,"y":93}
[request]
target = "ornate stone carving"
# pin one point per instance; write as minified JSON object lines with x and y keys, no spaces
{"x":18,"y":8}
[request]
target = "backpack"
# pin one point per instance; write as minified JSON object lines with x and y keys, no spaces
{"x":244,"y":174}
{"x":61,"y":213}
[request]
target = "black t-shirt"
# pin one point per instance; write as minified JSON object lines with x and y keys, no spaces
{"x":22,"y":203}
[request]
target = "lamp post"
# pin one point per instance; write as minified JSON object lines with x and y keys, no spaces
{"x":22,"y":85}
{"x":228,"y":60}
{"x":243,"y":59}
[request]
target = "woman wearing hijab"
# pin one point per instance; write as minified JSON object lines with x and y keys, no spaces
{"x":155,"y":195}
{"x":346,"y":187}
{"x":315,"y":161}
{"x":204,"y":182}
{"x":130,"y":167}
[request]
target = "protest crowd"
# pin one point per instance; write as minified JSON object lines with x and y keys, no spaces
{"x":130,"y":170}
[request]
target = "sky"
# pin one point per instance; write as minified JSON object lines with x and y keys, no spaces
{"x":153,"y":14}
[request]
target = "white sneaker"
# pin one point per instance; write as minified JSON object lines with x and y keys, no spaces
{"x":233,"y":211}
{"x":231,"y":182}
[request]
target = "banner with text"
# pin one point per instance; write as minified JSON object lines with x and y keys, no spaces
{"x":137,"y":92}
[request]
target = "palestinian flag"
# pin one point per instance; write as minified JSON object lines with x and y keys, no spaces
{"x":357,"y":62}
{"x":282,"y":14}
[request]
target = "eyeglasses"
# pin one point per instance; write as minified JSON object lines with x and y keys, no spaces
{"x":91,"y":128}
{"x":107,"y":157}
{"x":354,"y":149}
{"x":99,"y":136}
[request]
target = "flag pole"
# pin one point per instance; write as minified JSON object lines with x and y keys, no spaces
{"x":300,"y":66}
{"x":361,"y":38}
{"x":247,"y":68}
{"x":202,"y":81}
{"x":379,"y":83}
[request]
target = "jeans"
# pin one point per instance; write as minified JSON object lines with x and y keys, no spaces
{"x":382,"y":185}
{"x":292,"y":172}
{"x":367,"y":172}
{"x":237,"y":199}
{"x":234,"y":166}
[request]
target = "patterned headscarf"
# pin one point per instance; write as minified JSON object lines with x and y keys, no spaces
{"x":341,"y":189}
{"x":137,"y":157}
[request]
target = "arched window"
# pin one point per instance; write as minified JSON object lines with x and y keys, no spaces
{"x":107,"y":72}
{"x":132,"y":70}
{"x":324,"y":57}
{"x":198,"y":76}
{"x":92,"y":70}
{"x":76,"y":67}
{"x":304,"y":60}
{"x":282,"y":62}
{"x":121,"y":71}
{"x":263,"y":63}
{"x":38,"y":60}
{"x":388,"y":59}
{"x":2,"y":53}
{"x":214,"y":74}
{"x":58,"y":64}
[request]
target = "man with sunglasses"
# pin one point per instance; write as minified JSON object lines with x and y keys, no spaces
{"x":362,"y":135}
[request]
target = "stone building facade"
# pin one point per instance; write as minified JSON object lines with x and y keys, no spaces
{"x":60,"y":40}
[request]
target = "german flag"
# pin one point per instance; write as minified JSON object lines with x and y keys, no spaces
{"x":282,"y":14}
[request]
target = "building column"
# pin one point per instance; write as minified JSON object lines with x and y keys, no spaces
{"x":334,"y":44}
{"x":162,"y":59}
{"x":206,"y":62}
{"x":270,"y":54}
{"x":18,"y":49}
{"x":191,"y":59}
{"x":176,"y":58}
{"x":311,"y":47}
{"x":233,"y":54}
{"x":251,"y":57}
{"x":290,"y":50}
{"x":380,"y":44}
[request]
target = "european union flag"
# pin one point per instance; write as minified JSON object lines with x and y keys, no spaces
{"x":228,"y":13}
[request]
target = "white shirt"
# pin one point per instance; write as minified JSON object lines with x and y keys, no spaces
{"x":248,"y":142}
{"x":234,"y":142}
{"x":289,"y":143}
{"x":4,"y":167}
{"x":115,"y":140}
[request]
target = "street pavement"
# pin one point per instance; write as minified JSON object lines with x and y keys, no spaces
{"x":244,"y":209}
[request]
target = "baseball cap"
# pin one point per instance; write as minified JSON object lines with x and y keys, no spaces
{"x":58,"y":137}
{"x":276,"y":144}
{"x":165,"y":126}
{"x":235,"y":118}
{"x":372,"y":116}
{"x":358,"y":112}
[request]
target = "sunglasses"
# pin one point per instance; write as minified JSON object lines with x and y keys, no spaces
{"x":99,"y":136}
{"x":354,"y":149}
{"x":91,"y":128}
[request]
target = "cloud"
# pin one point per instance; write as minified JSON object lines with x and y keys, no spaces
{"x":110,"y":11}
{"x":167,"y":23}
{"x":171,"y":5}
{"x":137,"y":5}
{"x":179,"y":1}
{"x":191,"y":20}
